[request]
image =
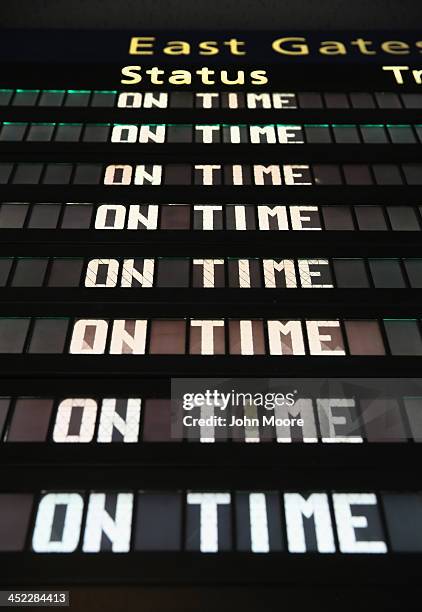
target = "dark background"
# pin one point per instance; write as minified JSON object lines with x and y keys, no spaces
{"x":282,"y":15}
{"x":216,"y":14}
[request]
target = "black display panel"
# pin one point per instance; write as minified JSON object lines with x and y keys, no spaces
{"x":223,"y":208}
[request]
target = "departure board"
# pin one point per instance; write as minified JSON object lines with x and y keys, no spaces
{"x":210,"y":324}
